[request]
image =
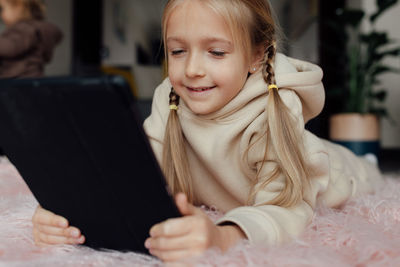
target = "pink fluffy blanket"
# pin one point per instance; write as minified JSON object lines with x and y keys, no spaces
{"x":365,"y":232}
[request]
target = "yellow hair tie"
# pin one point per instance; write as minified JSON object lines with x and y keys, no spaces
{"x":173,"y":107}
{"x":272,"y":86}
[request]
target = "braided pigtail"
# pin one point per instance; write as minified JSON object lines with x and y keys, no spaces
{"x":286,"y":142}
{"x":174,"y":161}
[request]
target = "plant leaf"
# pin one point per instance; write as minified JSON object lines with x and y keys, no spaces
{"x":379,"y":95}
{"x":380,"y":55}
{"x":354,"y":102}
{"x":382,"y":69}
{"x":383,"y":5}
{"x":375,"y":39}
{"x":392,"y":52}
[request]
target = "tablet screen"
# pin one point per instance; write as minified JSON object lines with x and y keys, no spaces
{"x":80,"y":146}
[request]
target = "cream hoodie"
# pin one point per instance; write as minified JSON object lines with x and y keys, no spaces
{"x":222,"y":174}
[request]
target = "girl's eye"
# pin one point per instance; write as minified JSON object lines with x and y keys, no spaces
{"x":218,"y":53}
{"x":177,"y":52}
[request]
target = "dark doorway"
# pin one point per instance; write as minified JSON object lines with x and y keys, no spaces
{"x":330,"y":63}
{"x":87,"y":37}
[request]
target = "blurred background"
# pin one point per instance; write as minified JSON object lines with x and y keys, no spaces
{"x":123,"y":37}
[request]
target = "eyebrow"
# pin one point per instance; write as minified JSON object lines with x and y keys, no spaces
{"x":204,"y":40}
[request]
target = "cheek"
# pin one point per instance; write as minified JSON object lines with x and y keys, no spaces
{"x":175,"y":72}
{"x":232,"y":77}
{"x":173,"y":77}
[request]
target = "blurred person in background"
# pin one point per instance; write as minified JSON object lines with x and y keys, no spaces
{"x":28,"y":41}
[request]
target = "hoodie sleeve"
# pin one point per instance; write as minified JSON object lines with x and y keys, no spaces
{"x":272,"y":224}
{"x":50,"y":37}
{"x":17,"y":40}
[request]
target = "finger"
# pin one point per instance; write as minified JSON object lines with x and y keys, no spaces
{"x":184,"y":206}
{"x":42,"y":239}
{"x":46,"y":217}
{"x":172,"y":227}
{"x":58,"y":240}
{"x":58,"y":231}
{"x":174,"y":255}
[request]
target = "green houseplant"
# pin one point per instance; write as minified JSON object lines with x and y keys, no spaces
{"x":360,"y":96}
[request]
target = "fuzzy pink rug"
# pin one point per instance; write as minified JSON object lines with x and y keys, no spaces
{"x":366,"y":232}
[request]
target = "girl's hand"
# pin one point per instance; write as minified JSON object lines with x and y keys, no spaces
{"x":180,"y":238}
{"x":51,"y":229}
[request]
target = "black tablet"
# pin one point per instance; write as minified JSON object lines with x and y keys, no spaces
{"x":80,"y":146}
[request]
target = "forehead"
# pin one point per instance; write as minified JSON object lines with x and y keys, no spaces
{"x":195,"y":18}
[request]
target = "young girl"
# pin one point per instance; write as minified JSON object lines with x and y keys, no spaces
{"x":227,"y":127}
{"x":28,"y":42}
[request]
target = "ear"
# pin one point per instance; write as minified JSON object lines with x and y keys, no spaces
{"x":256,"y":59}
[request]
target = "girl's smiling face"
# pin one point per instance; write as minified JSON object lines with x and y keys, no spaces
{"x":206,"y":67}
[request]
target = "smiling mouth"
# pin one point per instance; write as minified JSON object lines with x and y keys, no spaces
{"x":200,"y":89}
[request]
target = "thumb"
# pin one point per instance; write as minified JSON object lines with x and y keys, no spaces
{"x":183,"y":205}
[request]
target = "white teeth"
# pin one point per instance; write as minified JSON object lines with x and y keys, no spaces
{"x":202,"y":89}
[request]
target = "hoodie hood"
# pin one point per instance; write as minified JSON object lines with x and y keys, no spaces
{"x":305,"y":79}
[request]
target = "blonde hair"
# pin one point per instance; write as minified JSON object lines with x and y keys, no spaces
{"x":252,"y":26}
{"x":35,"y":9}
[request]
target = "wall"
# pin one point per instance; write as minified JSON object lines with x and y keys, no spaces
{"x":129,"y":24}
{"x":390,"y":22}
{"x":59,"y":12}
{"x":299,"y":23}
{"x":117,"y":32}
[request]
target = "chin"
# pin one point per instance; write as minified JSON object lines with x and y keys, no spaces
{"x":201,"y":111}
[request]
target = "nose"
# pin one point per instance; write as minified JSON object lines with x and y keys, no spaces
{"x":194,"y":66}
